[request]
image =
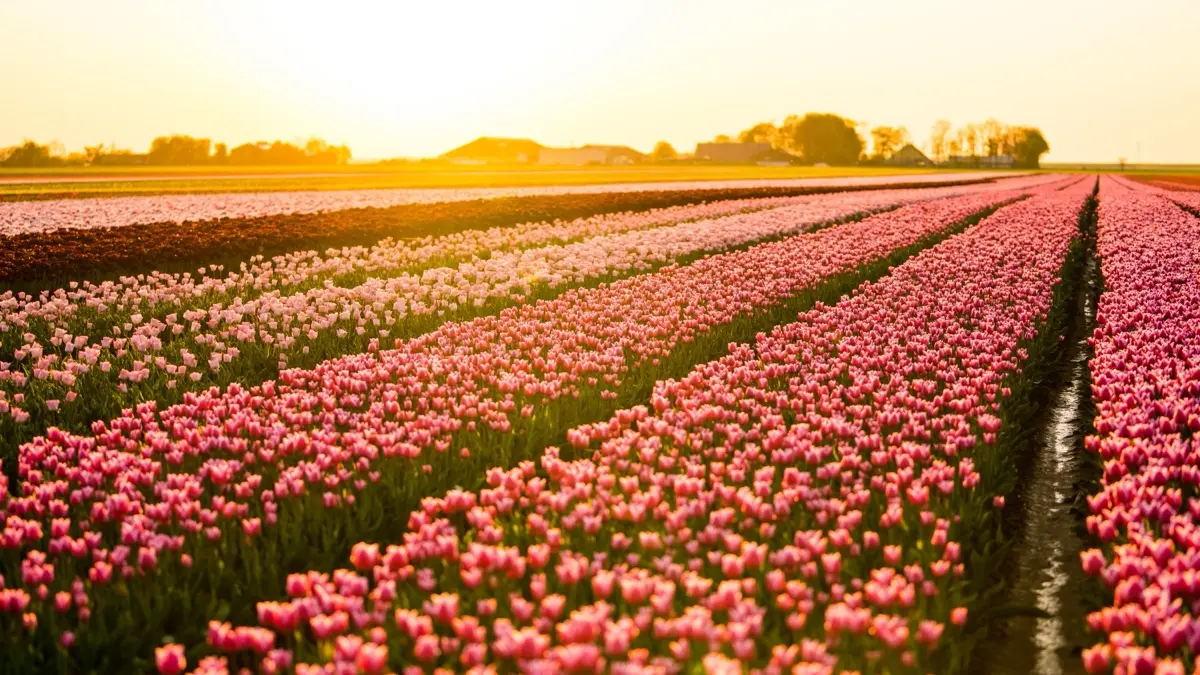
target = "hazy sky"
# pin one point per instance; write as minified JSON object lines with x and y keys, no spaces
{"x":417,"y":78}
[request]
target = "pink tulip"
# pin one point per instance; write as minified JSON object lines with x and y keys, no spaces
{"x":169,"y":659}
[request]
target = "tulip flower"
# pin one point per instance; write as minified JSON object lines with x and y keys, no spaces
{"x":170,"y":659}
{"x":697,"y":519}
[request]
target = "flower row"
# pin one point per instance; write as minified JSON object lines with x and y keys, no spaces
{"x":77,"y":356}
{"x":800,"y":504}
{"x":51,"y":258}
{"x":1146,"y":388}
{"x":23,"y":217}
{"x":151,"y":489}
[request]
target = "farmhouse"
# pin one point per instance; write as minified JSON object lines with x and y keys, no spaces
{"x":619,"y":154}
{"x":997,"y":162}
{"x":488,"y":150}
{"x":590,"y":154}
{"x":731,"y":153}
{"x":986,"y":162}
{"x":909,"y":155}
{"x":776,"y":157}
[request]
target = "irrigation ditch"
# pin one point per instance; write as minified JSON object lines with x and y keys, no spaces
{"x":1045,"y":630}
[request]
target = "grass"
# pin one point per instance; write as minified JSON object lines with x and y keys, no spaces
{"x":134,"y":181}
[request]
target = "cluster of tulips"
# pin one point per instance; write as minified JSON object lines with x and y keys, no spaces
{"x":1146,"y":388}
{"x":85,"y":352}
{"x":1187,"y":196}
{"x":50,"y":259}
{"x":24,"y":217}
{"x":797,"y":505}
{"x":155,"y":492}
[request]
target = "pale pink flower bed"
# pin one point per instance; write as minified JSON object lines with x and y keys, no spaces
{"x":41,"y":216}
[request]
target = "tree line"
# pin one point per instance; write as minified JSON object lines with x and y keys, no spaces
{"x":825,"y":138}
{"x":178,"y":150}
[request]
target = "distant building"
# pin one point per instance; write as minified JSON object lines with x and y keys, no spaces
{"x":122,"y":158}
{"x":619,"y":154}
{"x":731,"y":153}
{"x":776,"y":157}
{"x":590,"y":154}
{"x":909,"y":155}
{"x":487,"y":150}
{"x":972,"y":161}
{"x":572,"y":156}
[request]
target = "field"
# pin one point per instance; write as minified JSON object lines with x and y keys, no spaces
{"x":93,"y":182}
{"x":858,"y":423}
{"x":1172,"y":181}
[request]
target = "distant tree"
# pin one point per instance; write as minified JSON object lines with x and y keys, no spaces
{"x":721,"y":138}
{"x":763,"y":132}
{"x":997,"y":138}
{"x":973,"y":139}
{"x":178,"y":150}
{"x":887,"y":140}
{"x":937,"y":140}
{"x":249,"y":154}
{"x":1121,"y":161}
{"x":1028,"y":147}
{"x":114,"y":157}
{"x":93,"y":153}
{"x":280,"y":153}
{"x":663,"y":152}
{"x":822,"y":138}
{"x":220,"y":154}
{"x":318,"y":151}
{"x":30,"y":154}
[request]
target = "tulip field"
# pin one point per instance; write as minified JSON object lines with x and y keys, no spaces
{"x":693,"y":428}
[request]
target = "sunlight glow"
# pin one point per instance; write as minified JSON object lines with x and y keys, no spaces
{"x":1102,"y":79}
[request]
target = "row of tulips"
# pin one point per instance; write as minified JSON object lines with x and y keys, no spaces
{"x":50,"y":340}
{"x":86,"y":353}
{"x":38,"y":261}
{"x":160,"y":293}
{"x":160,"y":515}
{"x":803,"y":504}
{"x":140,"y":293}
{"x":1145,"y":375}
{"x":26,"y":217}
{"x":1180,"y":194}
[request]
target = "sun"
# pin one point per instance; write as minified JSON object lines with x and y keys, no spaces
{"x":410,"y":66}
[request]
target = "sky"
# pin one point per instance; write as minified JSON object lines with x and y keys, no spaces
{"x":403,"y":79}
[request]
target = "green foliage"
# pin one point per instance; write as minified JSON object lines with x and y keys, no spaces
{"x":991,"y":138}
{"x":817,"y":138}
{"x":662,"y":152}
{"x":279,"y":153}
{"x":822,"y":138}
{"x":763,"y":132}
{"x":178,"y":150}
{"x":1028,"y":147}
{"x":29,"y":154}
{"x":886,"y":140}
